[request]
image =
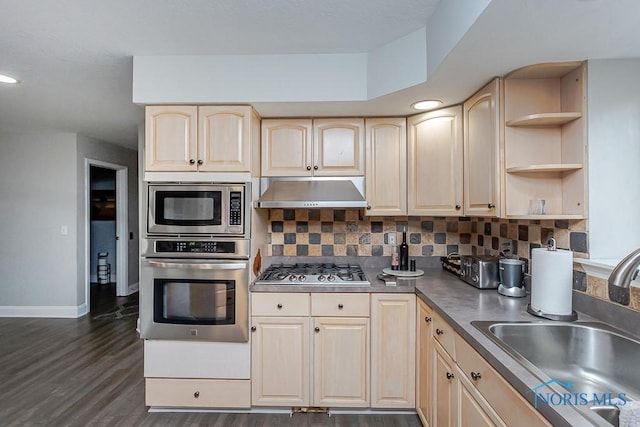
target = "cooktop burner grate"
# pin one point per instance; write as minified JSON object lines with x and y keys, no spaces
{"x":314,"y":274}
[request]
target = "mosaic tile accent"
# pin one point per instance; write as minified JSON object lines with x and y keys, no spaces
{"x":342,"y":232}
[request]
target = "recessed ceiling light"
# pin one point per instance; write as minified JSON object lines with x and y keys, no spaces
{"x":7,"y":79}
{"x":427,"y":105}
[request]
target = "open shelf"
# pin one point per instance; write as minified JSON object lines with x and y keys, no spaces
{"x":556,"y":167}
{"x":544,"y":119}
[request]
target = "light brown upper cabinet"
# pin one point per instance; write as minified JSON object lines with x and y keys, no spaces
{"x":482,"y":140}
{"x":435,"y":167}
{"x":386,"y":166}
{"x":205,"y":138}
{"x":319,"y":147}
{"x":545,"y":141}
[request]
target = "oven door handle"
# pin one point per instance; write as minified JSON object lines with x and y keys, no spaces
{"x":199,"y":265}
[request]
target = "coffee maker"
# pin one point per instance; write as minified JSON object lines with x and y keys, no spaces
{"x":511,"y":278}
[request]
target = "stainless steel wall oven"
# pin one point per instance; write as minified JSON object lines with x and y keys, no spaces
{"x":194,"y":273}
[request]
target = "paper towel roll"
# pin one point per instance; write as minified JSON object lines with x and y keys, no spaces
{"x":551,"y":281}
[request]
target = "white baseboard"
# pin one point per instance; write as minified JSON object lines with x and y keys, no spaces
{"x":68,"y":312}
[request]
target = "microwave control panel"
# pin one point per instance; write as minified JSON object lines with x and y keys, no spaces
{"x":235,"y":208}
{"x":182,"y":246}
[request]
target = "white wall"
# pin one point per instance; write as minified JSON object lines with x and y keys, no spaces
{"x":613,"y":96}
{"x":38,"y":265}
{"x":41,"y":191}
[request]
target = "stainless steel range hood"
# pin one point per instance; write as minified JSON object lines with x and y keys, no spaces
{"x":312,"y":192}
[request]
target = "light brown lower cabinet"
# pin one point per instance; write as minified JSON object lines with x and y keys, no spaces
{"x":310,"y":350}
{"x":458,"y":387}
{"x":197,"y":393}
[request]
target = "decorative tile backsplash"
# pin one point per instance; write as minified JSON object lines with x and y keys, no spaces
{"x":336,"y":232}
{"x":327,"y":232}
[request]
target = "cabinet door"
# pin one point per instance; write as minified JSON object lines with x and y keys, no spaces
{"x":171,"y":138}
{"x":386,"y":166}
{"x":341,"y":362}
{"x":224,"y":138}
{"x":280,"y":368}
{"x":444,"y":387}
{"x":286,"y":147}
{"x":435,"y":163}
{"x":338,"y":147}
{"x":424,"y":367}
{"x":482,"y":142}
{"x":473,"y":410}
{"x":393,"y":357}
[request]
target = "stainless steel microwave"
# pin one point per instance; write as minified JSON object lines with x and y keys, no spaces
{"x":198,"y":209}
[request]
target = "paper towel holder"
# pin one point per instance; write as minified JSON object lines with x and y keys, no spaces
{"x":551,"y":246}
{"x":558,"y":317}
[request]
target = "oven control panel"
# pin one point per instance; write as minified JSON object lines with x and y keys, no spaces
{"x":235,"y":208}
{"x":195,"y":246}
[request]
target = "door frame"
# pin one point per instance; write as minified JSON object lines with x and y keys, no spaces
{"x":122,"y":227}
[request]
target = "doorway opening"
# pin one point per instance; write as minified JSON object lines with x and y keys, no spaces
{"x":107,"y":237}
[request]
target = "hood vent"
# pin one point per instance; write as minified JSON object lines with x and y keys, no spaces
{"x":329,"y":192}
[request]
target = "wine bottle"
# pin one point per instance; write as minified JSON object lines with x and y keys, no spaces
{"x":404,"y":251}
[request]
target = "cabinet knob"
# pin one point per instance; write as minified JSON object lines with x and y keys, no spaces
{"x":450,"y":375}
{"x":308,"y":168}
{"x":279,"y":306}
{"x":427,"y":319}
{"x":475,"y":376}
{"x":200,"y":162}
{"x":458,"y":207}
{"x":315,"y":168}
{"x":491,"y":206}
{"x":196,"y":394}
{"x":253,"y":329}
{"x":439,"y":331}
{"x":368,"y":207}
{"x":317,"y":329}
{"x":340,"y":306}
{"x":192,"y":162}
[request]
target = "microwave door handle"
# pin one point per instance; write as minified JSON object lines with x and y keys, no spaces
{"x":199,"y":266}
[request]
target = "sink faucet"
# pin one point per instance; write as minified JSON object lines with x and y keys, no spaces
{"x":621,"y":277}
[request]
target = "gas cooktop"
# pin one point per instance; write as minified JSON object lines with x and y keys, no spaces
{"x":328,"y":274}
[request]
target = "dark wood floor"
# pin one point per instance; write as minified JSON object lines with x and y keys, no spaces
{"x":86,"y":372}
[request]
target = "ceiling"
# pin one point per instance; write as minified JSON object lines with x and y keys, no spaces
{"x":74,"y":57}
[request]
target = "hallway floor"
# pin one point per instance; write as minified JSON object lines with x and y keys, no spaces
{"x":81,"y":372}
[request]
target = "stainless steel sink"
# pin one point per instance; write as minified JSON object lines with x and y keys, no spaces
{"x":590,"y":358}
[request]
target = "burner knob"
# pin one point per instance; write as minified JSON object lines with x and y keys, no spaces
{"x":302,"y":277}
{"x":292,"y":278}
{"x":321,"y":278}
{"x":331,"y":278}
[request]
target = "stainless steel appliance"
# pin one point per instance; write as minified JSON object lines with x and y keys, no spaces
{"x":198,"y":208}
{"x":194,"y":289}
{"x":321,"y":274}
{"x":512,"y":278}
{"x":480,"y":271}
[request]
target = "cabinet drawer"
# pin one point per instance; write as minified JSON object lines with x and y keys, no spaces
{"x":510,"y":406}
{"x":171,"y":392}
{"x":338,"y":305}
{"x":444,"y":334}
{"x":279,"y":304}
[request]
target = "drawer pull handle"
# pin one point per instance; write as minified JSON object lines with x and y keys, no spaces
{"x":317,"y":329}
{"x":340,"y":306}
{"x":491,"y":205}
{"x":427,"y":319}
{"x":449,"y":375}
{"x":439,"y":331}
{"x":196,"y":394}
{"x":475,"y":376}
{"x":279,"y":306}
{"x":253,"y":329}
